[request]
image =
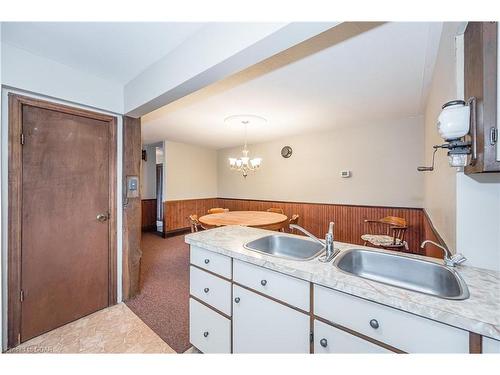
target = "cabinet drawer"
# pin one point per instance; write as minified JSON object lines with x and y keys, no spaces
{"x":285,"y":288}
{"x":210,"y":289}
{"x":216,"y":263}
{"x":328,"y":339}
{"x":208,"y":331}
{"x":490,"y":345}
{"x":401,"y":330}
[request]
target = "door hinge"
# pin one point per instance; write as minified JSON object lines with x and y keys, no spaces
{"x":22,"y":138}
{"x":493,"y":135}
{"x":311,"y":337}
{"x":21,"y":296}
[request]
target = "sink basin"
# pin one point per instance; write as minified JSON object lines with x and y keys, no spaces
{"x":404,"y":272}
{"x":286,"y":247}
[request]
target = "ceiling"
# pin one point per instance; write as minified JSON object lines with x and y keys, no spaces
{"x":116,"y":51}
{"x":378,"y":75}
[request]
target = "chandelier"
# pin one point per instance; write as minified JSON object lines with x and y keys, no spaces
{"x":244,"y":164}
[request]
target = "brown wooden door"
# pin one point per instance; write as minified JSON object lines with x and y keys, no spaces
{"x":65,"y":249}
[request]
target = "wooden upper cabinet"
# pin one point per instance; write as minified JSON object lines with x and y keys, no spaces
{"x":480,"y":69}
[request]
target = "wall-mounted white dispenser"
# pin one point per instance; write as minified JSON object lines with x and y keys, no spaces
{"x":456,"y":121}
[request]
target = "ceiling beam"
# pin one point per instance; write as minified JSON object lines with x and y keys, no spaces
{"x":215,"y":52}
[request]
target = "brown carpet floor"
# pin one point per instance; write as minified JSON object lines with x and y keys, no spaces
{"x":163,"y":303}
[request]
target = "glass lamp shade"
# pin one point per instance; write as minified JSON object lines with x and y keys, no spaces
{"x":255,"y":163}
{"x":232,"y":162}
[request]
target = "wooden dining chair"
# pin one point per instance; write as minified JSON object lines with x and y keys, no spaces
{"x":194,"y":223}
{"x":293,"y":220}
{"x":387,"y":233}
{"x":276,"y":210}
{"x":217,"y":210}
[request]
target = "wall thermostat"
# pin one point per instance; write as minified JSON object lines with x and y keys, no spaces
{"x":345,"y":174}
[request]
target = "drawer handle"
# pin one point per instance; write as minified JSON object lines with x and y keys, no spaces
{"x":237,"y":300}
{"x":205,"y":333}
{"x":207,"y":261}
{"x":263,"y":282}
{"x":206,"y":290}
{"x":374,"y":324}
{"x":323,"y":343}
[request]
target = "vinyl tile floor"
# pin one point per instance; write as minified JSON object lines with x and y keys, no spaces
{"x":115,"y":329}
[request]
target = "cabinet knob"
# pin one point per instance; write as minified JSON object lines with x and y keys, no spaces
{"x":374,"y":323}
{"x":237,"y":300}
{"x":207,"y":261}
{"x":206,"y":290}
{"x":205,"y":333}
{"x":323,"y":343}
{"x":263,"y":282}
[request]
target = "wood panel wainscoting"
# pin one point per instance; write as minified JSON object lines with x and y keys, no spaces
{"x":349,"y":219}
{"x":148,"y":221}
{"x":176,"y":213}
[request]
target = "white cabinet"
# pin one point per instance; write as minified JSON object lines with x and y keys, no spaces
{"x":328,"y":339}
{"x":285,"y":288}
{"x":490,"y":345}
{"x":213,"y":262}
{"x":208,"y":331}
{"x":261,"y":325}
{"x":401,"y":330}
{"x":210,"y":289}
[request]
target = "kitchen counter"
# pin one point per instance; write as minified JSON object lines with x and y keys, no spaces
{"x":480,"y":313}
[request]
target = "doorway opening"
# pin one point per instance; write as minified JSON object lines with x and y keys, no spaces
{"x":152,"y":187}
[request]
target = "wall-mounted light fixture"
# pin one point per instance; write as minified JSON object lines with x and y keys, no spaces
{"x":456,"y":121}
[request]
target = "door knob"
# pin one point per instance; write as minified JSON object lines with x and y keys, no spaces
{"x":237,"y":300}
{"x":102,"y":217}
{"x":206,"y":290}
{"x":323,"y":343}
{"x":263,"y":282}
{"x":374,"y":323}
{"x":205,"y":334}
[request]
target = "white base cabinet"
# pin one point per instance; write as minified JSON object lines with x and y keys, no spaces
{"x":208,"y":331}
{"x":328,"y":339}
{"x":490,"y":345}
{"x":261,"y":325}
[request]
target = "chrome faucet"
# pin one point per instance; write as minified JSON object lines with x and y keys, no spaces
{"x":449,"y":259}
{"x":328,"y":243}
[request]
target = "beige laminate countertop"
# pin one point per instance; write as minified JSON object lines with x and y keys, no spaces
{"x":480,"y":313}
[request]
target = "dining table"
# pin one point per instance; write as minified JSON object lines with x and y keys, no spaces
{"x":256,"y":219}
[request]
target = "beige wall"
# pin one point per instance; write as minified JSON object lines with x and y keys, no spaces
{"x":190,"y":171}
{"x":440,"y":185}
{"x":382,"y":157}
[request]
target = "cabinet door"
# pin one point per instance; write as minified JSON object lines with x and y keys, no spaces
{"x":208,"y":331}
{"x":261,"y":325}
{"x":490,"y":345}
{"x":480,"y":80}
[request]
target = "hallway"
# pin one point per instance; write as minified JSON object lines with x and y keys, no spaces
{"x":163,"y":300}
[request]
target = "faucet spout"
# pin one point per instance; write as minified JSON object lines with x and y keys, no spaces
{"x":327,"y":243}
{"x":448,"y":258}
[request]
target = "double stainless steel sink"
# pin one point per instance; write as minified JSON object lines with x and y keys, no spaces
{"x":402,"y":271}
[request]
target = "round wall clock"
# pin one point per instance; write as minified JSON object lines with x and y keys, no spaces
{"x":286,"y":152}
